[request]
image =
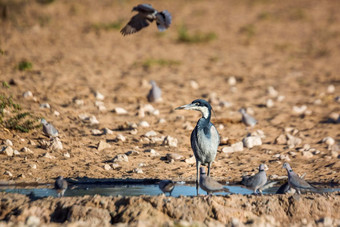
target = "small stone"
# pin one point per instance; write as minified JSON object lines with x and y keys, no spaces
{"x":27,"y":94}
{"x":299,"y":109}
{"x":334,"y":118}
{"x":99,"y":103}
{"x":138,"y":170}
{"x":83,"y":117}
{"x":56,"y":144}
{"x":250,"y":111}
{"x":227,"y":150}
{"x":45,"y":106}
{"x":132,"y":153}
{"x":33,"y":166}
{"x":93,"y":120}
{"x":107,"y":131}
{"x":79,"y":102}
{"x":26,"y":150}
{"x":32,"y":221}
{"x":133,"y":132}
{"x":49,"y":156}
{"x":141,"y":164}
{"x":221,"y":126}
{"x":328,"y":140}
{"x":334,"y":154}
{"x":107,"y":167}
{"x":232,"y":81}
{"x":7,"y":150}
{"x":272,"y":92}
{"x":237,"y":146}
{"x":252,"y":141}
{"x":115,"y":165}
{"x":16,"y":152}
{"x":161,"y":121}
{"x":8,"y":173}
{"x":307,"y":154}
{"x":170,"y":141}
{"x":293,"y":141}
{"x":31,"y":142}
{"x":102,"y":108}
{"x":331,"y":89}
{"x":173,"y":156}
{"x":190,"y":160}
{"x":292,"y":153}
{"x":8,"y":142}
{"x":121,"y":158}
{"x":67,"y":155}
{"x":150,"y":134}
{"x":317,"y":102}
{"x":120,"y":137}
{"x":120,"y":111}
{"x":306,"y":147}
{"x":96,"y":132}
{"x":144,"y":124}
{"x":269,"y":103}
{"x":258,"y":133}
{"x":152,"y":152}
{"x":56,"y":113}
{"x":280,"y":98}
{"x":102,"y":145}
{"x":194,"y":84}
{"x":99,"y":96}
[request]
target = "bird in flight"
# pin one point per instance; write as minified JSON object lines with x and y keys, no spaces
{"x":146,"y":14}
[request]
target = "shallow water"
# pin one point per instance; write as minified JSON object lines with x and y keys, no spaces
{"x":128,"y":190}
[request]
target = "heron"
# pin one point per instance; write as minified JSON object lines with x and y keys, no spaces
{"x":204,"y":138}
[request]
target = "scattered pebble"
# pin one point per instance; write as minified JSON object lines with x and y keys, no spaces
{"x":190,"y":160}
{"x":115,"y":165}
{"x":99,"y":96}
{"x":33,"y":221}
{"x":337,"y":99}
{"x":120,"y":111}
{"x":107,"y":167}
{"x":56,"y":144}
{"x":334,"y":118}
{"x":152,"y":152}
{"x":107,"y":131}
{"x":93,"y":120}
{"x":232,"y":81}
{"x":26,"y":150}
{"x":79,"y":102}
{"x":194,"y":84}
{"x":121,"y":158}
{"x":299,"y":109}
{"x":269,"y":103}
{"x":150,"y":134}
{"x":280,"y":98}
{"x":96,"y":132}
{"x":7,"y":150}
{"x":8,"y":173}
{"x":83,"y":117}
{"x":56,"y":113}
{"x":49,"y":156}
{"x":331,"y":89}
{"x":161,"y":121}
{"x":120,"y":137}
{"x":45,"y":106}
{"x":225,"y":104}
{"x":138,"y":170}
{"x":31,"y":142}
{"x":227,"y":150}
{"x":317,"y":102}
{"x":272,"y":92}
{"x":16,"y":152}
{"x":173,"y":156}
{"x":328,"y":140}
{"x":237,"y":146}
{"x":103,"y":145}
{"x":144,"y":124}
{"x":170,"y":141}
{"x":8,"y":142}
{"x":252,"y":141}
{"x":27,"y":94}
{"x":307,"y":154}
{"x":132,"y":153}
{"x":259,"y":133}
{"x":33,"y":166}
{"x":293,"y":141}
{"x":67,"y":155}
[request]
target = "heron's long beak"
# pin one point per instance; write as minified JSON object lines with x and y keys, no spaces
{"x":185,"y":107}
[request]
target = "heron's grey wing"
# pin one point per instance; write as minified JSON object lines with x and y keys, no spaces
{"x":163,"y":20}
{"x":297,"y":182}
{"x":136,"y":23}
{"x":144,"y":8}
{"x":194,"y":145}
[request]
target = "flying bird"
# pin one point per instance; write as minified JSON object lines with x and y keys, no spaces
{"x":204,"y":138}
{"x":146,"y":15}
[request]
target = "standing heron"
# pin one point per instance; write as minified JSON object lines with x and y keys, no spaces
{"x":204,"y":138}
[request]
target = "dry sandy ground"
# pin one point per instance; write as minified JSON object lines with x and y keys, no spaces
{"x":292,"y":46}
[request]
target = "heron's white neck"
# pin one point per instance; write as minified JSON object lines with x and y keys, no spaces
{"x":204,"y":110}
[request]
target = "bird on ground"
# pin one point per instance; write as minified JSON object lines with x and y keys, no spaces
{"x":257,"y":181}
{"x":247,"y":119}
{"x":60,"y":185}
{"x":49,"y":129}
{"x":210,"y":185}
{"x":295,"y":181}
{"x":166,"y":186}
{"x":204,"y":138}
{"x":155,"y":93}
{"x":146,"y":14}
{"x":283,"y":189}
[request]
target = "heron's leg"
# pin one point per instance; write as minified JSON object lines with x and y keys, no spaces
{"x":209,"y":165}
{"x":198,"y":164}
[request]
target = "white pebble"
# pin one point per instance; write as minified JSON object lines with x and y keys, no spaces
{"x":280,"y":98}
{"x":121,"y":158}
{"x":194,"y":84}
{"x":103,"y":145}
{"x":317,"y":101}
{"x":269,"y":103}
{"x":120,"y":110}
{"x":331,"y":89}
{"x":138,"y":170}
{"x":7,"y":150}
{"x":83,"y":117}
{"x":16,"y":152}
{"x":152,"y":152}
{"x":45,"y":106}
{"x":8,"y":142}
{"x":96,"y":132}
{"x":93,"y":120}
{"x":144,"y":124}
{"x":161,"y":121}
{"x":8,"y":173}
{"x":28,"y":94}
{"x":56,"y":113}
{"x":307,"y":154}
{"x":328,"y":140}
{"x":79,"y":102}
{"x":237,"y":146}
{"x":232,"y":81}
{"x":252,"y":141}
{"x":56,"y":144}
{"x":26,"y":150}
{"x":107,"y":131}
{"x":107,"y":167}
{"x":170,"y":141}
{"x":120,"y":137}
{"x":99,"y":96}
{"x":132,"y":153}
{"x":115,"y":165}
{"x":227,"y":150}
{"x":49,"y":156}
{"x":173,"y":156}
{"x":299,"y":109}
{"x":67,"y":155}
{"x":190,"y":160}
{"x":33,"y":166}
{"x":150,"y":134}
{"x":272,"y":92}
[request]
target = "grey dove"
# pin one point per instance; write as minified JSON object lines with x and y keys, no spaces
{"x":210,"y":185}
{"x":283,"y":189}
{"x":295,"y":181}
{"x":257,"y":181}
{"x":204,"y":138}
{"x":146,"y":15}
{"x":49,"y":129}
{"x":167,"y":186}
{"x":155,"y":93}
{"x":247,"y":119}
{"x":60,"y":185}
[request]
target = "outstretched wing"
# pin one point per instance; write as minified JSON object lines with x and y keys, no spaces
{"x":144,"y":8}
{"x":163,"y":20}
{"x":137,"y":22}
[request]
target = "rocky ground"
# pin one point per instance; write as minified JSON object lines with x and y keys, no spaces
{"x":66,"y":61}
